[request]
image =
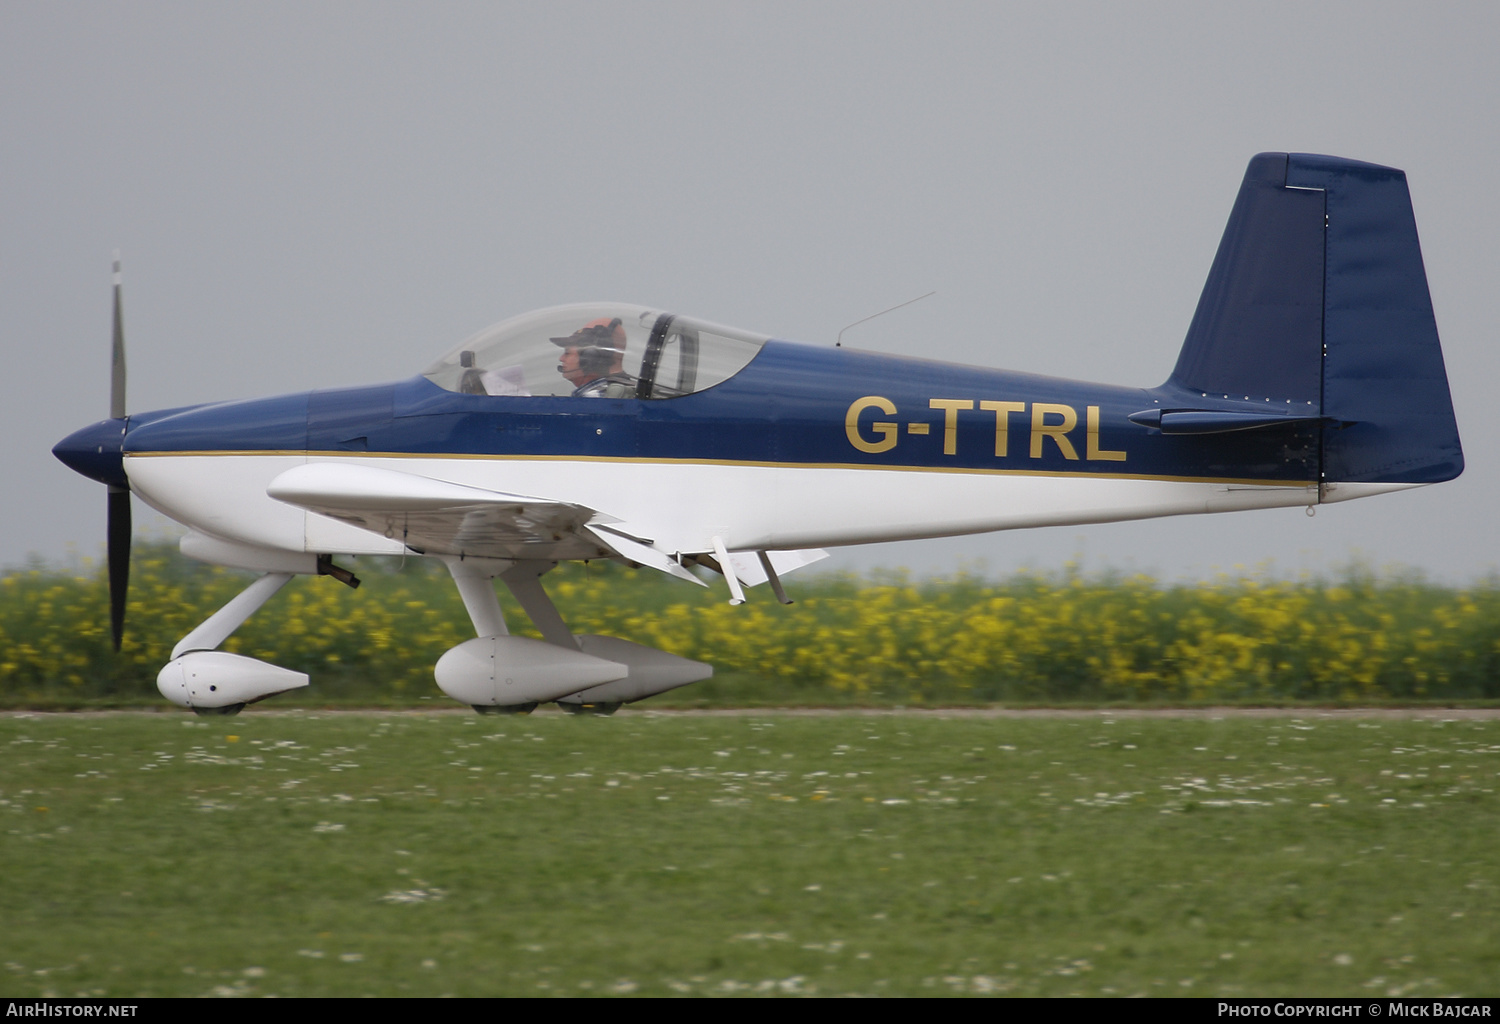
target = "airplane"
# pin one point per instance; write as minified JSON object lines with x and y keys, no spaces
{"x":1311,"y":373}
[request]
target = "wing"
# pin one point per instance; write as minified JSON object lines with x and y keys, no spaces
{"x":437,"y":517}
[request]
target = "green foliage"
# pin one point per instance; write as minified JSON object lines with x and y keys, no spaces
{"x":882,"y":639}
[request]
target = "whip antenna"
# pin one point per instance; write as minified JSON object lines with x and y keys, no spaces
{"x":839,"y":341}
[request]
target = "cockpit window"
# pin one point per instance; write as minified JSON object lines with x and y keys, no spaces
{"x":596,"y":350}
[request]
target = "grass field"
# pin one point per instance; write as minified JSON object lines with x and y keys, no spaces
{"x":426,"y":854}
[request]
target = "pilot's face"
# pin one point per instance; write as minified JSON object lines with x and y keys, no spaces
{"x":568,"y":366}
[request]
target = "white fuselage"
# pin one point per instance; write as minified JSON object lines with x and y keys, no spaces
{"x":682,"y":506}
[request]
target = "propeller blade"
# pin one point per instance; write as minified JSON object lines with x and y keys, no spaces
{"x":118,"y":548}
{"x":117,"y":362}
{"x":118,"y":523}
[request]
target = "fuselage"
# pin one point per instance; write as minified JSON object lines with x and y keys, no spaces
{"x":803,"y":447}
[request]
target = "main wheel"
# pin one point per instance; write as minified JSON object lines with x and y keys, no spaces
{"x":223,"y":712}
{"x":504,"y":709}
{"x":602,"y":709}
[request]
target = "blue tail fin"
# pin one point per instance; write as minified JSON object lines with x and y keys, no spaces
{"x":1318,"y":300}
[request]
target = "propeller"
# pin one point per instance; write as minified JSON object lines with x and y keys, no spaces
{"x":98,"y":452}
{"x":118,"y":529}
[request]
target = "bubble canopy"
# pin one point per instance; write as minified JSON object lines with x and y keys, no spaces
{"x":596,"y":349}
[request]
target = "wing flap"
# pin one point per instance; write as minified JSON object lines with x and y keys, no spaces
{"x":641,"y":552}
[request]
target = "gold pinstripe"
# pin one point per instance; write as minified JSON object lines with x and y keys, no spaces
{"x":725,"y":462}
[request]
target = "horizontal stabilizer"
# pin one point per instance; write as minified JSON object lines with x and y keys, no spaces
{"x":1214,"y":421}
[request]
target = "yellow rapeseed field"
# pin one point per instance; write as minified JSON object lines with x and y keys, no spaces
{"x":885,"y":638}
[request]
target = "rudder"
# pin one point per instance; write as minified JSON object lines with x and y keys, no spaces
{"x":1384,"y":384}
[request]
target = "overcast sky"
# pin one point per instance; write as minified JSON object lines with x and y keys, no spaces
{"x":317,"y":194}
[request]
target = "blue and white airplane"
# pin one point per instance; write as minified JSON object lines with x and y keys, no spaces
{"x":1311,"y":373}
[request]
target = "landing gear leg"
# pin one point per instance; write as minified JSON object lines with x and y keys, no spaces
{"x":217,"y":627}
{"x":525,"y":582}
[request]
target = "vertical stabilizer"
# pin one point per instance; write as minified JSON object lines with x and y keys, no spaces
{"x":1258,"y":331}
{"x":1317,"y":301}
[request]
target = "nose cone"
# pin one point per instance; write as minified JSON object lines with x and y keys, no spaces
{"x":94,"y":451}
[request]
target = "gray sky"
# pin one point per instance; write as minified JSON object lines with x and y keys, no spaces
{"x":316,"y":194}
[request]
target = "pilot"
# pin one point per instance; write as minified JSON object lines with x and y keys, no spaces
{"x":472,"y":381}
{"x":593,"y":360}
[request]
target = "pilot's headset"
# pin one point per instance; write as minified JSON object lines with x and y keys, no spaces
{"x":599,"y":343}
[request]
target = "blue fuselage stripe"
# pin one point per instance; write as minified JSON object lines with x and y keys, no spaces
{"x":792,"y":405}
